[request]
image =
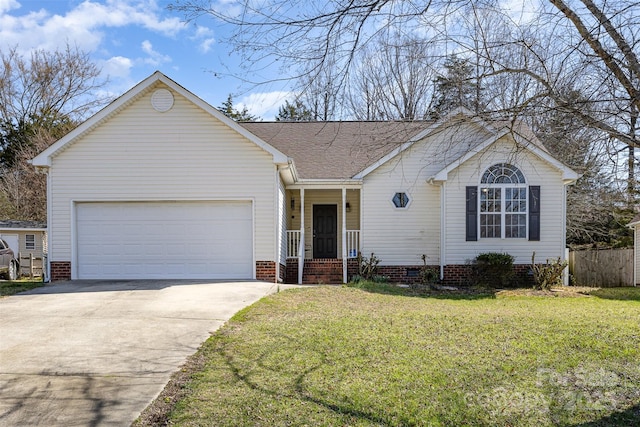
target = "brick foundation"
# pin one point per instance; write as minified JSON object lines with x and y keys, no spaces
{"x":408,"y":274}
{"x":457,"y":275}
{"x":462,"y":275}
{"x":330,"y":271}
{"x":320,"y":270}
{"x":60,"y":270}
{"x":316,"y":271}
{"x":291,"y":271}
{"x":266,"y":271}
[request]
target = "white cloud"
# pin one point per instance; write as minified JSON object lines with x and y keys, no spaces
{"x":205,"y":46}
{"x":6,"y":5}
{"x":83,"y":26}
{"x":117,"y":67}
{"x":521,"y":11}
{"x":202,"y":32}
{"x":204,"y":36}
{"x":154,"y":58}
{"x":265,"y":104}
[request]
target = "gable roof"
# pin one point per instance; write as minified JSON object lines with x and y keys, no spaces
{"x":320,"y":150}
{"x":352,"y":150}
{"x":568,"y":175}
{"x":44,"y":158}
{"x":334,"y":150}
{"x":634,"y":221}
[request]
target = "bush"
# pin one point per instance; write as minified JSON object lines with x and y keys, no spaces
{"x":493,"y":269}
{"x":547,"y":275}
{"x":428,"y":275}
{"x":379,"y":279}
{"x":367,"y":267}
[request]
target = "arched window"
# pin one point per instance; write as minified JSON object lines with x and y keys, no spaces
{"x":503,"y":202}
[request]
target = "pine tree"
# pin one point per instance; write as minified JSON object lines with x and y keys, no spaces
{"x":233,"y":113}
{"x":294,"y":112}
{"x":457,"y":87}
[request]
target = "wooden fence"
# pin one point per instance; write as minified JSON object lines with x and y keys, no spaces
{"x":31,"y":265}
{"x":604,"y":268}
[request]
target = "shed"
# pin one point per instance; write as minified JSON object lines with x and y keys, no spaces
{"x":28,"y":239}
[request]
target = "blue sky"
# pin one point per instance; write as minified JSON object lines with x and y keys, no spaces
{"x":130,"y":39}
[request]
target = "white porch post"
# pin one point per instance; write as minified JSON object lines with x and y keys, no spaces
{"x":443,"y":228}
{"x":344,"y":235}
{"x":301,"y":245}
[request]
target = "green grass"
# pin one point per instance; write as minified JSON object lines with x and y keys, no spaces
{"x":10,"y":288}
{"x":332,"y":356}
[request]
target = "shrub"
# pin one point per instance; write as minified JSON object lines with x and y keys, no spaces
{"x":547,"y":275}
{"x":493,"y":269}
{"x":428,"y":275}
{"x":368,"y":267}
{"x":377,"y":278}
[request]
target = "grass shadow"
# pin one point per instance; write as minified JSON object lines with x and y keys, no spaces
{"x":628,"y":417}
{"x":469,"y":293}
{"x":622,"y":294}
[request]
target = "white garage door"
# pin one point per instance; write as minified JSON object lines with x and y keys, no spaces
{"x":165,"y":240}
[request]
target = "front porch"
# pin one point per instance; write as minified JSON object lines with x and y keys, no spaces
{"x":323,"y":234}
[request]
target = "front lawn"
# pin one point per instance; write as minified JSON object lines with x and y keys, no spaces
{"x":10,"y":288}
{"x":332,"y":356}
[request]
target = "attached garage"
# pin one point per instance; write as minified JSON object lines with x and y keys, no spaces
{"x":161,"y":185}
{"x":164,"y":240}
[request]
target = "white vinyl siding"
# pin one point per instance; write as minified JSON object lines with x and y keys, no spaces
{"x":402,"y":236}
{"x":39,"y":241}
{"x":140,"y":154}
{"x":282,"y":222}
{"x":537,"y":172}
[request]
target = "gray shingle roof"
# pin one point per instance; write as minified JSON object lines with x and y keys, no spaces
{"x":334,"y":150}
{"x":10,"y":223}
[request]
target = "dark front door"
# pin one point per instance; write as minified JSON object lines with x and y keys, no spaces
{"x":325,"y":231}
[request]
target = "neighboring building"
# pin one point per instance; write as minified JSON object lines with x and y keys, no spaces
{"x":159,"y":184}
{"x":28,"y":239}
{"x":635,"y":225}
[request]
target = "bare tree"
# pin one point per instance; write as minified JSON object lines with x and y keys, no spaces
{"x":47,"y":84}
{"x":523,"y":62}
{"x":393,"y":79}
{"x":42,"y":97}
{"x":22,"y":189}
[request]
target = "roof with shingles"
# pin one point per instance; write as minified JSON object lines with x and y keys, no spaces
{"x":334,"y":150}
{"x":10,"y":223}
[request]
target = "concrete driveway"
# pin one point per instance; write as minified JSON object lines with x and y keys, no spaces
{"x":96,"y":353}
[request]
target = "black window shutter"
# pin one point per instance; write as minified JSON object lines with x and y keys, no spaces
{"x":472,"y":214}
{"x":534,"y":212}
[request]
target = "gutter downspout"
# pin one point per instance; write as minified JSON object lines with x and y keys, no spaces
{"x":47,"y":267}
{"x":344,"y":235}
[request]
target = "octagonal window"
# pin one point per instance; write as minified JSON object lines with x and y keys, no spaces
{"x":400,"y":200}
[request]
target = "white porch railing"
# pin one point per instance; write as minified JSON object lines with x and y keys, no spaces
{"x":353,"y":243}
{"x":293,"y":243}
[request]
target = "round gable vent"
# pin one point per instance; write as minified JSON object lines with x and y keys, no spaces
{"x":162,"y":100}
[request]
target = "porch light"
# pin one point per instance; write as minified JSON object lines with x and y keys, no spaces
{"x":293,"y":204}
{"x":347,"y":206}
